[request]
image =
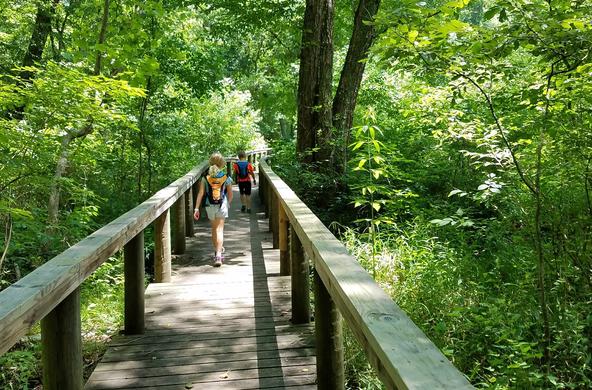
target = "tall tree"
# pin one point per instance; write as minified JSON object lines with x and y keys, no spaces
{"x":314,"y":85}
{"x":41,"y":30}
{"x":346,"y":95}
{"x":318,"y":116}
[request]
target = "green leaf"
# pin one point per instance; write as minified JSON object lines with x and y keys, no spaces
{"x":358,"y":145}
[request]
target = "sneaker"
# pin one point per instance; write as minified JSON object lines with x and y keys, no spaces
{"x":249,"y":211}
{"x":218,"y":260}
{"x":243,"y":209}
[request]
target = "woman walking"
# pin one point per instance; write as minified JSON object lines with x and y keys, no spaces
{"x":217,"y":187}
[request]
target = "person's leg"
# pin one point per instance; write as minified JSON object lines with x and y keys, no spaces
{"x":248,"y":196}
{"x":243,"y":197}
{"x":218,"y":235}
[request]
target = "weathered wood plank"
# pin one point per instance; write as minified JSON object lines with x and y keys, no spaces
{"x":203,"y":378}
{"x":402,"y":354}
{"x":284,"y":354}
{"x":148,"y":353}
{"x":186,"y":366}
{"x":225,"y":383}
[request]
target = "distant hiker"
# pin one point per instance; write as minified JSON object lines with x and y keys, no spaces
{"x":244,"y":172}
{"x":217,"y":186}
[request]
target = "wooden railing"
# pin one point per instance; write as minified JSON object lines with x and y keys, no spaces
{"x":402,"y":355}
{"x":51,"y":293}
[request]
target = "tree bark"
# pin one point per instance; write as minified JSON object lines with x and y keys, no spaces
{"x":344,"y":103}
{"x":102,"y":37}
{"x":308,"y":80}
{"x":320,"y":116}
{"x":53,"y":207}
{"x":325,"y":92}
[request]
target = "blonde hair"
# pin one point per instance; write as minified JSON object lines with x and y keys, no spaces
{"x":216,"y":162}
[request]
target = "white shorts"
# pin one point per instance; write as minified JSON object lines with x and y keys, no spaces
{"x":217,"y":212}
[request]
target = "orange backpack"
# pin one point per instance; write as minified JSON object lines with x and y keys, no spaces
{"x":216,"y":189}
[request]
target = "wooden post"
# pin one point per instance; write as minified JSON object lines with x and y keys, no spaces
{"x":268,"y":196}
{"x":329,"y":339}
{"x":262,"y":189}
{"x":300,"y":281}
{"x":270,"y":210}
{"x":133,"y":269}
{"x":62,"y":345}
{"x":275,"y":220}
{"x":179,"y":233}
{"x":189,"y":212}
{"x":283,"y":228}
{"x":162,"y":248}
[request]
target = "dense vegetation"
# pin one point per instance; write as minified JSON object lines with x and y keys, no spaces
{"x":463,"y":187}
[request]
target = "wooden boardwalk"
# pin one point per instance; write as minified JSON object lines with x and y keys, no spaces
{"x":217,"y":328}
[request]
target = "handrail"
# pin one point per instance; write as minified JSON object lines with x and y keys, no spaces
{"x":51,"y":292}
{"x":31,"y":298}
{"x":400,"y":352}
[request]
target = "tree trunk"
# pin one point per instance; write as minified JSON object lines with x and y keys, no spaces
{"x":344,"y":104}
{"x":41,"y":31}
{"x":53,"y":207}
{"x":308,"y":80}
{"x":325,"y":92}
{"x":102,"y":37}
{"x":318,"y":115}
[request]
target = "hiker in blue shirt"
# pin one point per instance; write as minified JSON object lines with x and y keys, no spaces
{"x":217,"y":186}
{"x":244,"y":173}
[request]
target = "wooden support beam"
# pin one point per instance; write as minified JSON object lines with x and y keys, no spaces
{"x":269,"y":207}
{"x":275,"y":220}
{"x":283,"y":229}
{"x":162,"y":248}
{"x":329,"y":339}
{"x":263,"y":192}
{"x":300,"y":281}
{"x":133,"y":254}
{"x":189,"y":213}
{"x":62,"y":345}
{"x":179,"y":233}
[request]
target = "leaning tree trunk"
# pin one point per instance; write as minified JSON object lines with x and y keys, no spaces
{"x":344,"y":104}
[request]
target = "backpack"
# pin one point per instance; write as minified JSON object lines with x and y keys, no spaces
{"x":216,"y":189}
{"x":243,"y":171}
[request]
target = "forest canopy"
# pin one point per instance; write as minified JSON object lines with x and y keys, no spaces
{"x":448,"y":143}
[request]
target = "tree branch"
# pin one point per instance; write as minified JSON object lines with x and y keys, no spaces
{"x":491,"y":108}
